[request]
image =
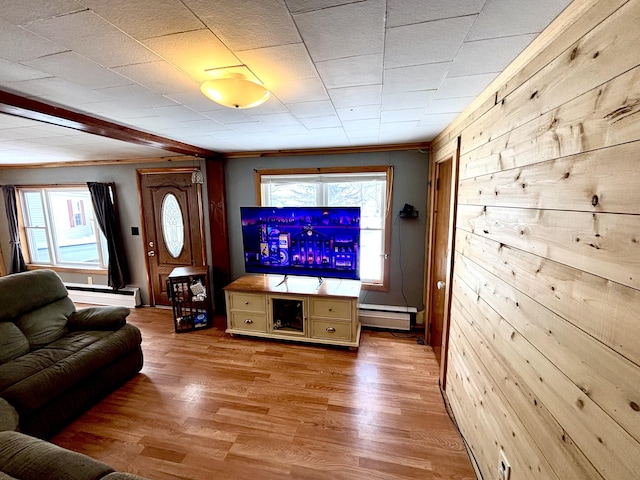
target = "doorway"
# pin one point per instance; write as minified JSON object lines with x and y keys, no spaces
{"x":440,"y":253}
{"x":173,"y":226}
{"x":439,"y":272}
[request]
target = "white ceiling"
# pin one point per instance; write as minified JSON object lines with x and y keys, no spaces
{"x":342,"y":73}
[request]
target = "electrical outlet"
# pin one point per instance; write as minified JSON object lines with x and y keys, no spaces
{"x":89,"y":280}
{"x":504,"y":469}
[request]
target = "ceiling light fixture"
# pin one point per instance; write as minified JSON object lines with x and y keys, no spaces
{"x":234,"y":90}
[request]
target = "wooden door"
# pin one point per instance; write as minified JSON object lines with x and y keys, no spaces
{"x":440,"y":254}
{"x":172,"y":226}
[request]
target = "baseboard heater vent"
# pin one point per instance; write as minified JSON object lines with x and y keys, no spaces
{"x":104,"y":295}
{"x":386,"y":316}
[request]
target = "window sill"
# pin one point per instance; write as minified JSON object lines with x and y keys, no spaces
{"x":58,"y":268}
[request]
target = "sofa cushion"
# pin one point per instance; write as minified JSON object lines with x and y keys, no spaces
{"x":29,"y":458}
{"x":22,"y":292}
{"x":13,"y":343}
{"x":9,"y":418}
{"x":46,"y":324}
{"x":33,"y":380}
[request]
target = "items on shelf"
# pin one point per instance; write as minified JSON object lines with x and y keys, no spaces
{"x":187,"y":289}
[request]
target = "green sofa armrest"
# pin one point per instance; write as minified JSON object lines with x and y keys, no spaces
{"x":98,"y":318}
{"x":29,"y":458}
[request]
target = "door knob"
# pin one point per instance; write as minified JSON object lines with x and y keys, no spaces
{"x":151,"y":253}
{"x":441,"y":285}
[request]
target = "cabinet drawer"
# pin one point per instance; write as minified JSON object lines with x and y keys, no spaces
{"x":249,"y":302}
{"x":254,"y":322}
{"x":339,"y":331}
{"x":330,"y":308}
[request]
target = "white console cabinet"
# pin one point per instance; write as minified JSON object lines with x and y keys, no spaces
{"x":295,"y":308}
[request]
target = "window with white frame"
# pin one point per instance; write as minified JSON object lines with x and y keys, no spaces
{"x":368,"y":188}
{"x":60,"y":228}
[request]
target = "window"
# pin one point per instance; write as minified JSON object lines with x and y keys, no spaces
{"x":368,"y":188}
{"x":60,"y":228}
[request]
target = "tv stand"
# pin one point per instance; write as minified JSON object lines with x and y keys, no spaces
{"x":305,"y":309}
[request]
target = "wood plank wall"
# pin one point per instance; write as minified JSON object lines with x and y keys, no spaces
{"x":544,"y":352}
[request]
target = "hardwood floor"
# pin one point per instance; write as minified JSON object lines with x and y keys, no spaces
{"x":211,"y":406}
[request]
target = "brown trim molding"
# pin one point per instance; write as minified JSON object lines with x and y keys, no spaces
{"x":332,"y":151}
{"x":19,"y":106}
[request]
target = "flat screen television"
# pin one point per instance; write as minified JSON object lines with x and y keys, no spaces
{"x":311,"y":241}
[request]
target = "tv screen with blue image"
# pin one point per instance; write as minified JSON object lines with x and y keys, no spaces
{"x":311,"y":241}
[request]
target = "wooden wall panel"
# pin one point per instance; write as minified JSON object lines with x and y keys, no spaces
{"x":609,"y":50}
{"x":544,"y":349}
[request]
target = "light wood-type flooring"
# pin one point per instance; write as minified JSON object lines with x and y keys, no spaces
{"x":211,"y":406}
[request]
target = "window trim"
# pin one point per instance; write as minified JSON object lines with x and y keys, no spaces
{"x":387,"y":169}
{"x":23,"y":235}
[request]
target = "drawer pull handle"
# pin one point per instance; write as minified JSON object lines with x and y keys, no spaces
{"x":331,"y":329}
{"x":248,"y":320}
{"x":331,"y":309}
{"x":246,"y":303}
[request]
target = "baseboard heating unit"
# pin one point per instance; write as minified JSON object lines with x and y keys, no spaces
{"x":104,"y":295}
{"x":386,"y":316}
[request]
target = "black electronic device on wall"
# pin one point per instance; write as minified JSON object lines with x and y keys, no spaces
{"x":408,"y":211}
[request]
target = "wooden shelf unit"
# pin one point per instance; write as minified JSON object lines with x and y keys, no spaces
{"x":188,"y":290}
{"x":299,"y":309}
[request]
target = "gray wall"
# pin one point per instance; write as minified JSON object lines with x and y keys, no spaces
{"x":411,"y":177}
{"x":411,"y":172}
{"x":124,"y":176}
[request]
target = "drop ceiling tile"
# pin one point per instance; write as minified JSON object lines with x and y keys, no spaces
{"x":299,"y":6}
{"x":406,"y":12}
{"x":449,"y":105}
{"x":146,"y":18}
{"x":276,"y":65}
{"x":159,"y":76}
{"x":176,"y":113}
{"x":193,"y":52}
{"x":321,"y":122}
{"x":249,"y":128}
{"x":356,"y":96}
{"x":302,"y":90}
{"x":359,"y":113}
{"x":404,"y":126}
{"x":205,"y":126}
{"x":369,"y":125}
{"x":515,"y":17}
{"x":89,"y":35}
{"x":247,"y":24}
{"x":136,"y":96}
{"x":352,"y":71}
{"x":14,"y":72}
{"x":407,"y":100}
{"x":406,"y":115}
{"x":485,"y":56}
{"x":415,"y":77}
{"x":58,"y":90}
{"x":18,"y":44}
{"x":396,"y":136}
{"x":194,"y":100}
{"x":429,"y":42}
{"x":275,"y":119}
{"x":344,"y":31}
{"x":229,"y":116}
{"x":26,"y":11}
{"x":78,"y":69}
{"x":430,"y":119}
{"x":312,"y":109}
{"x":467,"y":86}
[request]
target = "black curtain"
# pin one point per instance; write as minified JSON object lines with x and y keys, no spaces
{"x":17,"y":260}
{"x":106,"y":215}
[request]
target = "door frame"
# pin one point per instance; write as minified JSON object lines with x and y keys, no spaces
{"x":156,"y":171}
{"x":448,"y":152}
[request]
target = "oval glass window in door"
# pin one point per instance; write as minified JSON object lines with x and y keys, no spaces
{"x":172,"y":225}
